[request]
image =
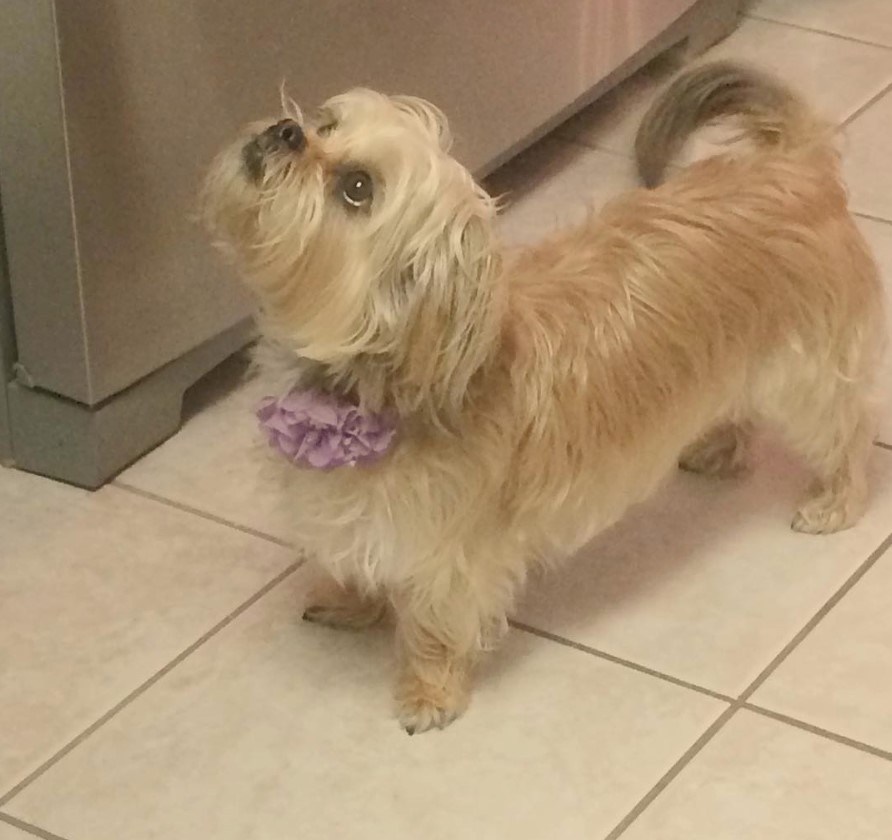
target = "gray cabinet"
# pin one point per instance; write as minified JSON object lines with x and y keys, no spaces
{"x":111,"y":302}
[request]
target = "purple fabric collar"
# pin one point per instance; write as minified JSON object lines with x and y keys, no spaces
{"x":315,"y":429}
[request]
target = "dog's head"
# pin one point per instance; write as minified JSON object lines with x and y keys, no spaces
{"x":363,"y":239}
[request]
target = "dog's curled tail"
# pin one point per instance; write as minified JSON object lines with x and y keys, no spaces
{"x":771,"y":114}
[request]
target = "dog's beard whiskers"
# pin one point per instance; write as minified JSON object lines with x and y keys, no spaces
{"x":290,"y":108}
{"x":322,"y":307}
{"x":289,"y":213}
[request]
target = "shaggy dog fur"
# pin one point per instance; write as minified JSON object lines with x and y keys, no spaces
{"x":539,"y":396}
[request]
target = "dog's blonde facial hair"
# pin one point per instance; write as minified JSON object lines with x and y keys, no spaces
{"x":399,"y":300}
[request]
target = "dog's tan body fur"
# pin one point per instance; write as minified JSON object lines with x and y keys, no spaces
{"x":541,"y":396}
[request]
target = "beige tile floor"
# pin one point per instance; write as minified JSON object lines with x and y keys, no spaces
{"x":699,"y":672}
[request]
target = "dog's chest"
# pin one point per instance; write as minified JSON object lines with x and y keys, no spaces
{"x":351,"y":521}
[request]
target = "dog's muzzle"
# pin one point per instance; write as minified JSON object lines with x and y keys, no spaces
{"x":284,"y":136}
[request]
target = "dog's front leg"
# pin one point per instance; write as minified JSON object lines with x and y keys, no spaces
{"x":441,"y":629}
{"x":436,"y":662}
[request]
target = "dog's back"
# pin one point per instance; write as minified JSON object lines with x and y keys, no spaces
{"x":817,"y":383}
{"x":739,"y":289}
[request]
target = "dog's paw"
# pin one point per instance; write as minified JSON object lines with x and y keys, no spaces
{"x":723,"y":452}
{"x":422,"y":707}
{"x":422,"y":715}
{"x":716,"y":464}
{"x":343,"y":608}
{"x":358,"y":617}
{"x":715,"y":461}
{"x":824,"y":515}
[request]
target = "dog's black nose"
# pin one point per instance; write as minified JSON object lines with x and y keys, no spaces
{"x":289,"y":133}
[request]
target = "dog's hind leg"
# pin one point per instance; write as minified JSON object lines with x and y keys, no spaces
{"x":838,"y":454}
{"x":723,"y":451}
{"x":830,"y":424}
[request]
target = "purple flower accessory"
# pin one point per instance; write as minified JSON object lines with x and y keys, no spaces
{"x":319,"y":430}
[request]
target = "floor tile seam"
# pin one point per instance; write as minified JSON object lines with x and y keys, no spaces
{"x":710,"y":733}
{"x":865,"y":106}
{"x":621,"y":661}
{"x":735,"y":705}
{"x":820,"y":731}
{"x":852,"y":39}
{"x":195,"y":511}
{"x":871,"y":217}
{"x":673,"y":772}
{"x":652,"y":794}
{"x":820,"y":614}
{"x":845,"y":587}
{"x":148,"y":683}
{"x":28,"y":828}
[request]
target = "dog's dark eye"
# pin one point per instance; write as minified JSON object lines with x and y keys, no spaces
{"x":326,"y":129}
{"x":356,"y":188}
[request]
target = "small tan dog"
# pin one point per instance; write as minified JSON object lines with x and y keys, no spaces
{"x":536,"y":399}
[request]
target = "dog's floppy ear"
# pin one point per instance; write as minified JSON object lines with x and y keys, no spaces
{"x":430,"y":116}
{"x":454,"y":319}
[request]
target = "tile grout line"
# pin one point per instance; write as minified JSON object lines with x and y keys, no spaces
{"x":29,"y":828}
{"x":211,"y":517}
{"x":837,"y":596}
{"x":802,"y":28}
{"x":618,"y":660}
{"x":148,"y":683}
{"x":861,"y":746}
{"x":741,"y":701}
{"x":735,"y":704}
{"x":816,"y":619}
{"x":847,"y":121}
{"x":669,"y":776}
{"x":872,"y":218}
{"x":711,"y":732}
